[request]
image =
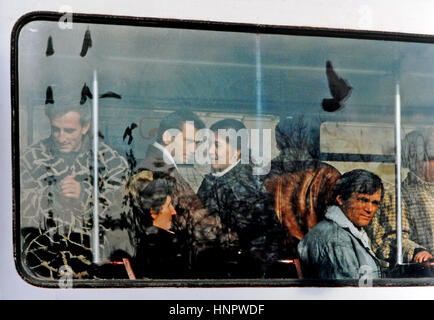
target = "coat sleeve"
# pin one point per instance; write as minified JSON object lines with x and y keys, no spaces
{"x":114,"y":214}
{"x":340,"y":262}
{"x":266,"y":233}
{"x":112,"y":182}
{"x":36,"y":192}
{"x":328,"y":260}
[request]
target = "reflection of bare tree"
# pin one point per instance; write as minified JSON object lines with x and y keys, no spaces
{"x":354,"y":145}
{"x":298,"y":135}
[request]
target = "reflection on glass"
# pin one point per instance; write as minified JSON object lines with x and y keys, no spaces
{"x":237,"y":125}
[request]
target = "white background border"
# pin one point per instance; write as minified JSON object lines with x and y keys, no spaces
{"x":407,"y":16}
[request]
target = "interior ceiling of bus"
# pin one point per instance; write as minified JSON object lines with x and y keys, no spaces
{"x":228,"y":71}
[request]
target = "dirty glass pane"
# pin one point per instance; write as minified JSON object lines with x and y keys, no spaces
{"x":408,"y":251}
{"x":218,"y":153}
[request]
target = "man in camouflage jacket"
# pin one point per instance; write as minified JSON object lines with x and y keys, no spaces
{"x":56,"y":199}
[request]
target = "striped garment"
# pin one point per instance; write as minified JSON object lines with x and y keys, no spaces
{"x":417,"y":221}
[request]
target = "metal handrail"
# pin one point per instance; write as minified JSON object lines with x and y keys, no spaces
{"x":398,"y":175}
{"x":95,"y":227}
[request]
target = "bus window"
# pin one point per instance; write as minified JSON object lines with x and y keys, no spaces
{"x":154,"y":152}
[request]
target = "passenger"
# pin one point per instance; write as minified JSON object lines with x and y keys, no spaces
{"x":417,"y":205}
{"x":338,"y":247}
{"x":251,"y":235}
{"x":160,"y":252}
{"x":57,"y":195}
{"x":300,"y":185}
{"x":175,"y":143}
{"x":175,"y":146}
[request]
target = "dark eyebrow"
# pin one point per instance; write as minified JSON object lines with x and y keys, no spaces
{"x":362,"y":198}
{"x":66,"y":129}
{"x":365,"y":199}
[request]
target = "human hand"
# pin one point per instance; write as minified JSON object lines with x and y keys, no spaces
{"x":422,"y":256}
{"x":70,"y":188}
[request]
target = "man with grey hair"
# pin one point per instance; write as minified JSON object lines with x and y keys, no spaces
{"x":417,"y":205}
{"x":56,"y":200}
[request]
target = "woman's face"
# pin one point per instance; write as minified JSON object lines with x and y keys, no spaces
{"x":163,"y":219}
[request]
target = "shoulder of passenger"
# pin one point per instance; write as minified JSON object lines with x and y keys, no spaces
{"x":331,"y":233}
{"x":109,"y":153}
{"x":38,"y":150}
{"x":106,"y":149}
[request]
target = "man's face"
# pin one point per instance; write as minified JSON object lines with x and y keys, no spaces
{"x":68,"y":132}
{"x":360,"y":208}
{"x":222,"y":153}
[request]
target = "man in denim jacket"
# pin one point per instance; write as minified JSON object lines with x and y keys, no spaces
{"x":338,"y":247}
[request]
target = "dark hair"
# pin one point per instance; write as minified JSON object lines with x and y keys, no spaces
{"x":176,"y":120}
{"x":227,"y":124}
{"x":147,"y":191}
{"x":65,"y":105}
{"x":357,"y":181}
{"x":298,"y":132}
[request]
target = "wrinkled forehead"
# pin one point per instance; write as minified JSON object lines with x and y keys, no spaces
{"x":373,"y":196}
{"x":70,"y":119}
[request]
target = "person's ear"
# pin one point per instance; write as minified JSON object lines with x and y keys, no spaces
{"x":339,"y":200}
{"x":85,"y":128}
{"x":154,"y":215}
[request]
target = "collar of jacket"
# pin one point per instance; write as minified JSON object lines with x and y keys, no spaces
{"x":155,"y":162}
{"x":295,"y":154}
{"x":84,"y":148}
{"x":167,"y":157}
{"x":335,"y":214}
{"x":222,"y":173}
{"x":239,"y":171}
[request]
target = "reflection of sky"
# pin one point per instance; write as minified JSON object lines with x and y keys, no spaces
{"x":207,"y":70}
